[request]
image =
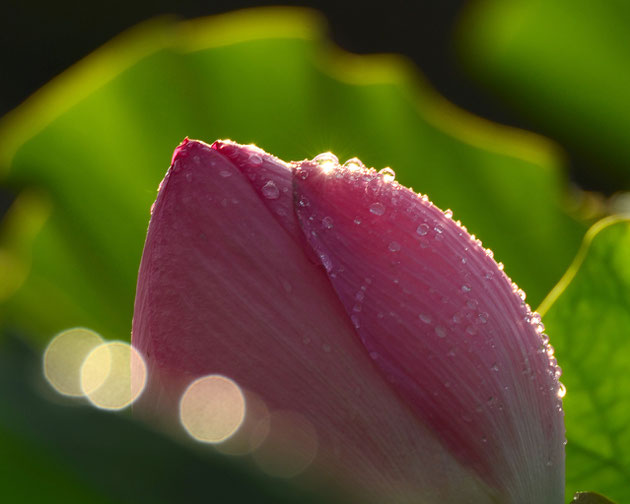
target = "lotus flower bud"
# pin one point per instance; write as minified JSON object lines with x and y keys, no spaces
{"x":333,"y":292}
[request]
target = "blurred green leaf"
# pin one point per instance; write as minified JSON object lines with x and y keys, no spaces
{"x":588,"y":318}
{"x":71,"y":453}
{"x":590,"y":498}
{"x":563,"y":64}
{"x":97,"y":141}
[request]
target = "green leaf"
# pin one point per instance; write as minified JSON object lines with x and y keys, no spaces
{"x":97,"y":140}
{"x":563,"y":64}
{"x":56,"y":451}
{"x":587,"y":316}
{"x":590,"y":498}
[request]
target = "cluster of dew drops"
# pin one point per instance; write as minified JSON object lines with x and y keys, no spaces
{"x":329,"y":163}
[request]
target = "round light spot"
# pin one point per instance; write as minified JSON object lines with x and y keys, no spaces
{"x":64,"y":357}
{"x":252,"y":431}
{"x":113,"y":375}
{"x":289,"y":447}
{"x":212,"y":408}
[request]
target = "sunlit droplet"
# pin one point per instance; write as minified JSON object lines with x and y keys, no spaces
{"x":327,"y":161}
{"x":388,"y":174}
{"x":353,"y":164}
{"x":113,"y":375}
{"x":64,"y":357}
{"x":562,"y":391}
{"x":212,"y":408}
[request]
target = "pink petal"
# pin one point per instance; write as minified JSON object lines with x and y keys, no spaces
{"x":227,"y":286}
{"x":443,"y":324}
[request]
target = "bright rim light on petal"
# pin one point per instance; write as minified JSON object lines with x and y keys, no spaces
{"x":64,"y":357}
{"x":327,"y":161}
{"x":113,"y":375}
{"x":290,"y":446}
{"x":212,"y":408}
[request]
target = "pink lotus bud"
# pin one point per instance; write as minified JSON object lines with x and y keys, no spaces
{"x":335,"y":293}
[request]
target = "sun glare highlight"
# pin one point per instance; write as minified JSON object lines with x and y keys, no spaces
{"x":212,"y":409}
{"x":113,"y":375}
{"x":64,"y":357}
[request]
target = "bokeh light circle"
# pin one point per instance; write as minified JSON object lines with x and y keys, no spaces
{"x":113,"y":375}
{"x":64,"y":357}
{"x":212,"y":408}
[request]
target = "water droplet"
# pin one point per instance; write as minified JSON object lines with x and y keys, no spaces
{"x":465,"y":288}
{"x":326,"y":262}
{"x":422,"y":229}
{"x":438,"y":229}
{"x":440,"y":331}
{"x":471,"y":330}
{"x":255,"y":159}
{"x":394,"y":246}
{"x":388,"y":174}
{"x":225,"y":173}
{"x":521,"y":294}
{"x":325,"y":157}
{"x":425,"y":318}
{"x":304,"y":202}
{"x":489,"y":275}
{"x":357,"y":221}
{"x":357,"y":307}
{"x":377,"y":208}
{"x":495,"y":367}
{"x":355,"y":321}
{"x":500,"y":266}
{"x":472,"y":303}
{"x":353,"y":164}
{"x":483,"y":317}
{"x":360,"y":295}
{"x":327,"y":161}
{"x":448,"y":213}
{"x":327,"y":223}
{"x":270,"y":190}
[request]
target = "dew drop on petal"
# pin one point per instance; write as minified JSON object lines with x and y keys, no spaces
{"x":327,"y":223}
{"x":225,"y":173}
{"x":255,"y":159}
{"x":357,"y":221}
{"x":377,"y":208}
{"x":425,"y":318}
{"x":422,"y":229}
{"x":440,"y":331}
{"x":465,"y":288}
{"x":270,"y":190}
{"x":353,"y":164}
{"x":388,"y":174}
{"x":448,"y":213}
{"x":562,"y":391}
{"x":394,"y":246}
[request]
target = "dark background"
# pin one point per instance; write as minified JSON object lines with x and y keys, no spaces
{"x":41,"y":38}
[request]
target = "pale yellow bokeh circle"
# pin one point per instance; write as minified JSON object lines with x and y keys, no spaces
{"x":113,"y":375}
{"x":212,"y":408}
{"x":64,"y":357}
{"x":290,"y":445}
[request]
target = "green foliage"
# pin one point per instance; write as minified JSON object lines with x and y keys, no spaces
{"x":97,"y":141}
{"x":563,"y":64}
{"x":588,"y":318}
